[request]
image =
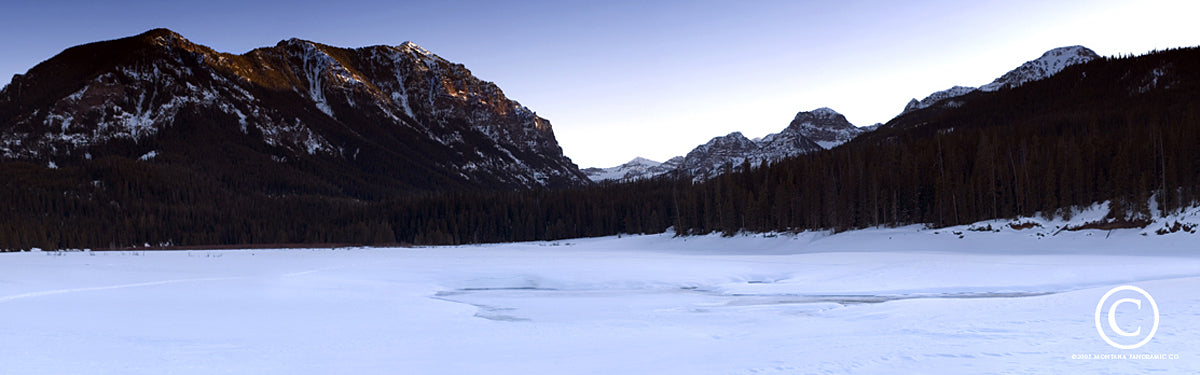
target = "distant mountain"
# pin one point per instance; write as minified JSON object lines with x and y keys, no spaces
{"x":819,"y":129}
{"x":637,"y":169}
{"x":297,"y":118}
{"x":1049,"y":64}
{"x":824,"y":126}
{"x":732,"y":150}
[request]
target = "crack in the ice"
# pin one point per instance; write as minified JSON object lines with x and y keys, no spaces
{"x":488,"y":312}
{"x":109,"y":287}
{"x":497,"y":313}
{"x":852,"y":299}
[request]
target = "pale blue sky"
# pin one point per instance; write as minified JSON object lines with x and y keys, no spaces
{"x":620,"y":79}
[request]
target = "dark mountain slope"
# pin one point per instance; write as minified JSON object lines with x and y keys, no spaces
{"x":365,"y":123}
{"x":155,"y":139}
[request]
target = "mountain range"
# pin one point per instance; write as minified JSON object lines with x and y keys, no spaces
{"x":819,"y":129}
{"x":153,"y":139}
{"x":376,"y":114}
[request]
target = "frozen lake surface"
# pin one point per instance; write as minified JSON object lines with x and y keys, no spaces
{"x":900,"y":300}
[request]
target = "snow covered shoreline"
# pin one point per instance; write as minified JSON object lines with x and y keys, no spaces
{"x":889,"y":300}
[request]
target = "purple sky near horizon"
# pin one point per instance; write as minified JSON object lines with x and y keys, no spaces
{"x":620,"y":79}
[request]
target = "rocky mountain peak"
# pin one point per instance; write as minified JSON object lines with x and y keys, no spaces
{"x":642,"y":161}
{"x":824,"y":126}
{"x":821,"y":112}
{"x":163,"y":36}
{"x":410,"y":46}
{"x":731,"y":139}
{"x":822,"y":118}
{"x":165,"y":40}
{"x":1069,"y":52}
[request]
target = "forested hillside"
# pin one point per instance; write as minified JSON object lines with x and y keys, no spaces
{"x":1117,"y":129}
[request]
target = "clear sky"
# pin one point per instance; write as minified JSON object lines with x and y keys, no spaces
{"x":620,"y":79}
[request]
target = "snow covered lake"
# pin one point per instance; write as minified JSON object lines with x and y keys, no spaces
{"x":900,"y":300}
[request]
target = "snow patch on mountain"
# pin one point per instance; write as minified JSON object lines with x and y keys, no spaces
{"x":317,"y":65}
{"x":296,"y":136}
{"x":1158,"y":77}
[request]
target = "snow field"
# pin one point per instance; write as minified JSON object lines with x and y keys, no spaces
{"x":898,"y":300}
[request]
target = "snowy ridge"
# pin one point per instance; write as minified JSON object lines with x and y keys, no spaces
{"x":937,"y":97}
{"x":1049,"y":64}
